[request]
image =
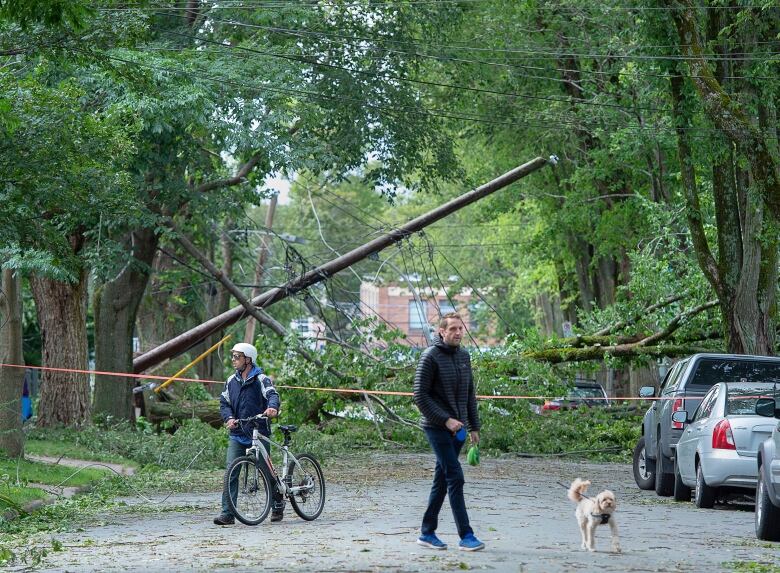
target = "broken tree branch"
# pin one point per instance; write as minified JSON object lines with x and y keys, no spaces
{"x":266,"y":319}
{"x":647,"y":346}
{"x":647,"y":310}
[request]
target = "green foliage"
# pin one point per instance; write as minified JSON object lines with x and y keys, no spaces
{"x":169,"y":451}
{"x":84,"y":152}
{"x":596,"y":433}
{"x":196,"y":393}
{"x":752,"y":566}
{"x":337,"y":437}
{"x":59,"y":443}
{"x":50,"y":12}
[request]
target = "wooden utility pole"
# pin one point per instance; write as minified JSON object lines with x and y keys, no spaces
{"x":186,"y":340}
{"x":249,"y":333}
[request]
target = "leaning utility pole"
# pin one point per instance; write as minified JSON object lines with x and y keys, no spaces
{"x":186,"y":340}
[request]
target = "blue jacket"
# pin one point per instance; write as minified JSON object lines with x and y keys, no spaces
{"x":244,"y":398}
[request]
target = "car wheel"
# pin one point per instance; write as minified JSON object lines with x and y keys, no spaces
{"x":643,"y":477}
{"x":664,"y":483}
{"x":681,"y":491}
{"x":767,"y":514}
{"x":704,"y":496}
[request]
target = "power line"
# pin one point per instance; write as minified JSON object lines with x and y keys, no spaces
{"x":304,"y":59}
{"x":636,"y":126}
{"x":444,"y":288}
{"x":360,"y":41}
{"x":530,"y":52}
{"x":476,"y":291}
{"x":556,"y":7}
{"x":307,"y":94}
{"x":409,"y":110}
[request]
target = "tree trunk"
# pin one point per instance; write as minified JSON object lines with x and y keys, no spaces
{"x":747,"y":211}
{"x":116,"y":307}
{"x":582,"y":260}
{"x":749,"y":309}
{"x":11,"y":379}
{"x":181,"y":410}
{"x":549,"y":318}
{"x":605,"y":280}
{"x":62,"y":316}
{"x":212,"y":367}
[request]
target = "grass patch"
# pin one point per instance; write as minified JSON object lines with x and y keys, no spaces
{"x":19,"y":496}
{"x":25,"y":471}
{"x":752,"y":567}
{"x":63,"y":448}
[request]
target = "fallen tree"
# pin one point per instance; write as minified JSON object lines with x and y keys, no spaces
{"x":582,"y":348}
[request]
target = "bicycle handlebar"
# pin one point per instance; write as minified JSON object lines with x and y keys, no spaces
{"x":252,"y":418}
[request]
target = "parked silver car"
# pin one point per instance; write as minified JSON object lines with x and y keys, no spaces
{"x":717,"y":449}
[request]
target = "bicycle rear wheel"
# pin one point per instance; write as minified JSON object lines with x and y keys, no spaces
{"x":307,"y":494}
{"x":249,"y":490}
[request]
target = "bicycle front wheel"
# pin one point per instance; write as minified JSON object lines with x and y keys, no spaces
{"x":306,"y":486}
{"x":249,"y":490}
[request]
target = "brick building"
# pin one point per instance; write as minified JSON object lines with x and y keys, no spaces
{"x":398,"y":306}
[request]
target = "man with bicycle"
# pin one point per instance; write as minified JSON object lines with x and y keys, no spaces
{"x":248,"y":392}
{"x":444,"y":393}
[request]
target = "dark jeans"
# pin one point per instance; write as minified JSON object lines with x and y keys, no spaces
{"x":447,"y":480}
{"x":236,"y":450}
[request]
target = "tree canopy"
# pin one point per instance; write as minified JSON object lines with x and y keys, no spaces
{"x":130,"y":130}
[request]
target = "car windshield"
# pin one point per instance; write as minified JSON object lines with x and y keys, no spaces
{"x":580,"y":393}
{"x":710,"y":371}
{"x":741,"y":399}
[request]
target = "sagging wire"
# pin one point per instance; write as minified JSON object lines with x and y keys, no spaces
{"x":475,"y":291}
{"x":443,"y":286}
{"x":128,"y":483}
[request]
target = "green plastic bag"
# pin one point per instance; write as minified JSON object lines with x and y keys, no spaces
{"x":473,"y":455}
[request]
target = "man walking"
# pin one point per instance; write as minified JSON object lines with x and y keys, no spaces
{"x":444,"y":393}
{"x":248,"y":392}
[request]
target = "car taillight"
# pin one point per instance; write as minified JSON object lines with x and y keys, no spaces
{"x":722,"y":438}
{"x":551,"y":406}
{"x":677,"y":405}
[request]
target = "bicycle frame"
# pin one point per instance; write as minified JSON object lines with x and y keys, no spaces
{"x":281,"y":482}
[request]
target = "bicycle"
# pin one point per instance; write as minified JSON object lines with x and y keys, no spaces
{"x":249,"y":478}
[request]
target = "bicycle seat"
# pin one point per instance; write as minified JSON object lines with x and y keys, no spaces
{"x":290,"y":428}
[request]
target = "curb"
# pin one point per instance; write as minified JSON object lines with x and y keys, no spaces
{"x":10,"y":514}
{"x":30,"y":507}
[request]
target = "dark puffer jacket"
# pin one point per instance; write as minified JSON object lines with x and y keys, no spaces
{"x":444,"y":387}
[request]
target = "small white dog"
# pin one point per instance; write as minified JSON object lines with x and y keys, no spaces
{"x":592,"y":512}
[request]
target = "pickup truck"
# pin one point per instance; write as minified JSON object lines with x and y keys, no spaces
{"x":683,"y":388}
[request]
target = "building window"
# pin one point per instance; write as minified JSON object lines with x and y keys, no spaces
{"x":476,"y":313}
{"x":445,"y":307}
{"x":418,"y":315}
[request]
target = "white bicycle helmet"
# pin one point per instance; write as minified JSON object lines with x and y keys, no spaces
{"x":247,"y":350}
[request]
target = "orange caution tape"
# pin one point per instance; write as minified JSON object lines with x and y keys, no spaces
{"x":314,"y":388}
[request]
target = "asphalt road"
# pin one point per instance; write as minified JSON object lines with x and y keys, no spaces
{"x":371,"y":520}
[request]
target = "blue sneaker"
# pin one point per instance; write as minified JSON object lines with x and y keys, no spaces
{"x":470,"y":543}
{"x":431,"y":541}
